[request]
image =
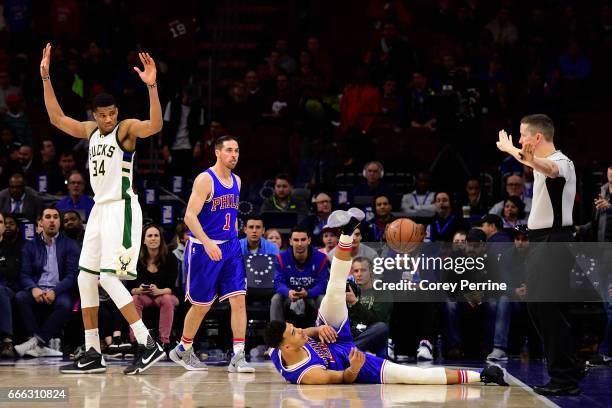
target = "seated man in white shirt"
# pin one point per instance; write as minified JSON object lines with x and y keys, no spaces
{"x":420,"y":202}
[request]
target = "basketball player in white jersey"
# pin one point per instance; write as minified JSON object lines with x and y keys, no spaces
{"x":548,"y":264}
{"x":112,"y":239}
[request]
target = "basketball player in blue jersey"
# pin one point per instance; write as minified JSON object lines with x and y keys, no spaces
{"x":112,"y":239}
{"x":326,"y":354}
{"x":213,"y":257}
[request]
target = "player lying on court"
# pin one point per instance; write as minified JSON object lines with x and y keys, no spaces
{"x":334,"y":359}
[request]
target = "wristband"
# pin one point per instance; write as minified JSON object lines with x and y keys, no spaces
{"x":153,"y":85}
{"x":45,"y":78}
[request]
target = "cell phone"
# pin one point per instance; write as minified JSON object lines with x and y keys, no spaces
{"x":146,"y":286}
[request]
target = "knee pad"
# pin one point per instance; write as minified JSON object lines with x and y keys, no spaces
{"x":88,"y":289}
{"x":115,"y":289}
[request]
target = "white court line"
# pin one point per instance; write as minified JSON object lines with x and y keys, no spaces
{"x":530,"y":390}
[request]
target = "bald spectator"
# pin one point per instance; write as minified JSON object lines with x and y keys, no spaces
{"x":19,"y":199}
{"x":76,"y":199}
{"x":322,"y":207}
{"x":515,"y":186}
{"x":73,"y":226}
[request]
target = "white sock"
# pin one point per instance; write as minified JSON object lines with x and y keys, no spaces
{"x":401,"y":374}
{"x":140,"y":332}
{"x":345,"y":241}
{"x":238,"y":346}
{"x":92,"y":339}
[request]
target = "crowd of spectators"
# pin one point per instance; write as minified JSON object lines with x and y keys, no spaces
{"x":316,"y":135}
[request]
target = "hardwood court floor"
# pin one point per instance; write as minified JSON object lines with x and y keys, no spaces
{"x":167,"y":385}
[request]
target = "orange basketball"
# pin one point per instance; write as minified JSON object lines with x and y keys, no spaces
{"x":403,"y":235}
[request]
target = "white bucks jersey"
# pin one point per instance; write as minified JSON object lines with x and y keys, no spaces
{"x":110,"y":168}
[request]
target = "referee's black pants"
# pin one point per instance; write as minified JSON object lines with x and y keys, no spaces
{"x":549,"y":263}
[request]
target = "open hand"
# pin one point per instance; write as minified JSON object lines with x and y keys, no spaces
{"x":46,"y":60}
{"x":505,"y":142}
{"x":527,"y":152}
{"x":150,"y":71}
{"x":213,"y":251}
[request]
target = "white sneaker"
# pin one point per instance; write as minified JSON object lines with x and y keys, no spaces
{"x":424,"y":352}
{"x":239,"y":364}
{"x":497,"y":355}
{"x":48,"y":352}
{"x":24,"y":347}
{"x":356,"y":212}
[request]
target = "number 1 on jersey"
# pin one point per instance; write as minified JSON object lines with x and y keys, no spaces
{"x":228,"y":218}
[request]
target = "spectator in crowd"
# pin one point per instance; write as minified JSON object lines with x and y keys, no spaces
{"x":322,"y":207}
{"x":19,"y":199}
{"x":6,"y":89}
{"x":283,"y":201}
{"x":255,"y":95}
{"x":274,"y":236}
{"x":374,"y":231}
{"x":420,"y":202}
{"x":301,"y":277}
{"x":67,"y":166}
{"x":16,"y":119}
{"x":204,"y":150}
{"x":391,"y":103}
{"x":50,"y":169}
{"x":12,"y":232}
{"x":459,"y":240}
{"x":330,"y":240}
{"x":421,"y":110}
{"x":369,"y":316}
{"x":474,"y":199}
{"x":49,"y":267}
{"x":446,"y":222}
{"x":392,"y":56}
{"x":373,"y":184}
{"x":77,"y":199}
{"x":600,"y":228}
{"x":73,"y":226}
{"x":359,"y":102}
{"x":319,"y":59}
{"x":468,"y":301}
{"x":154,"y":287}
{"x":177,"y":246}
{"x":492,"y":226}
{"x":254,"y":243}
{"x":183,"y":126}
{"x":358,"y":249}
{"x":287,"y":63}
{"x":30,"y":167}
{"x":514,"y":187}
{"x":504,"y":32}
{"x":282,"y":104}
{"x":9,"y":285}
{"x":513,"y":212}
{"x":513,"y":274}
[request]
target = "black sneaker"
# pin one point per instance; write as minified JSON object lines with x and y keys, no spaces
{"x":89,"y":362}
{"x":145,"y":358}
{"x":494,"y":374}
{"x":113,"y":349}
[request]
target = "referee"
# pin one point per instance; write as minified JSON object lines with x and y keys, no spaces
{"x":550,"y":220}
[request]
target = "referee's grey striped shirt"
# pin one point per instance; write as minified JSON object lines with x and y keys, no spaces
{"x":553,"y":198}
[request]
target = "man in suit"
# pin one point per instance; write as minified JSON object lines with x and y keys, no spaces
{"x":19,"y":199}
{"x":49,"y":268}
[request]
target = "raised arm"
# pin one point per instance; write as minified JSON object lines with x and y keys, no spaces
{"x":66,"y":124}
{"x":146,"y":128}
{"x":525,"y":155}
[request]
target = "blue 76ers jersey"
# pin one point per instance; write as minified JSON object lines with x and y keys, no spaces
{"x":334,"y":356}
{"x":218,"y":215}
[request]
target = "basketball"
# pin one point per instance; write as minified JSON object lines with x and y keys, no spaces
{"x":403,"y":235}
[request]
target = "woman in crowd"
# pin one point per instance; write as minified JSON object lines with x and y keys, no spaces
{"x":513,"y":212}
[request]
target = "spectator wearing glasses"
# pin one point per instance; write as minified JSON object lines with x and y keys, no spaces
{"x":76,"y":199}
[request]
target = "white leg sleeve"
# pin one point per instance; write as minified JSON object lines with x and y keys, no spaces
{"x":401,"y":374}
{"x":88,"y":289}
{"x":115,"y":289}
{"x":333,"y":306}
